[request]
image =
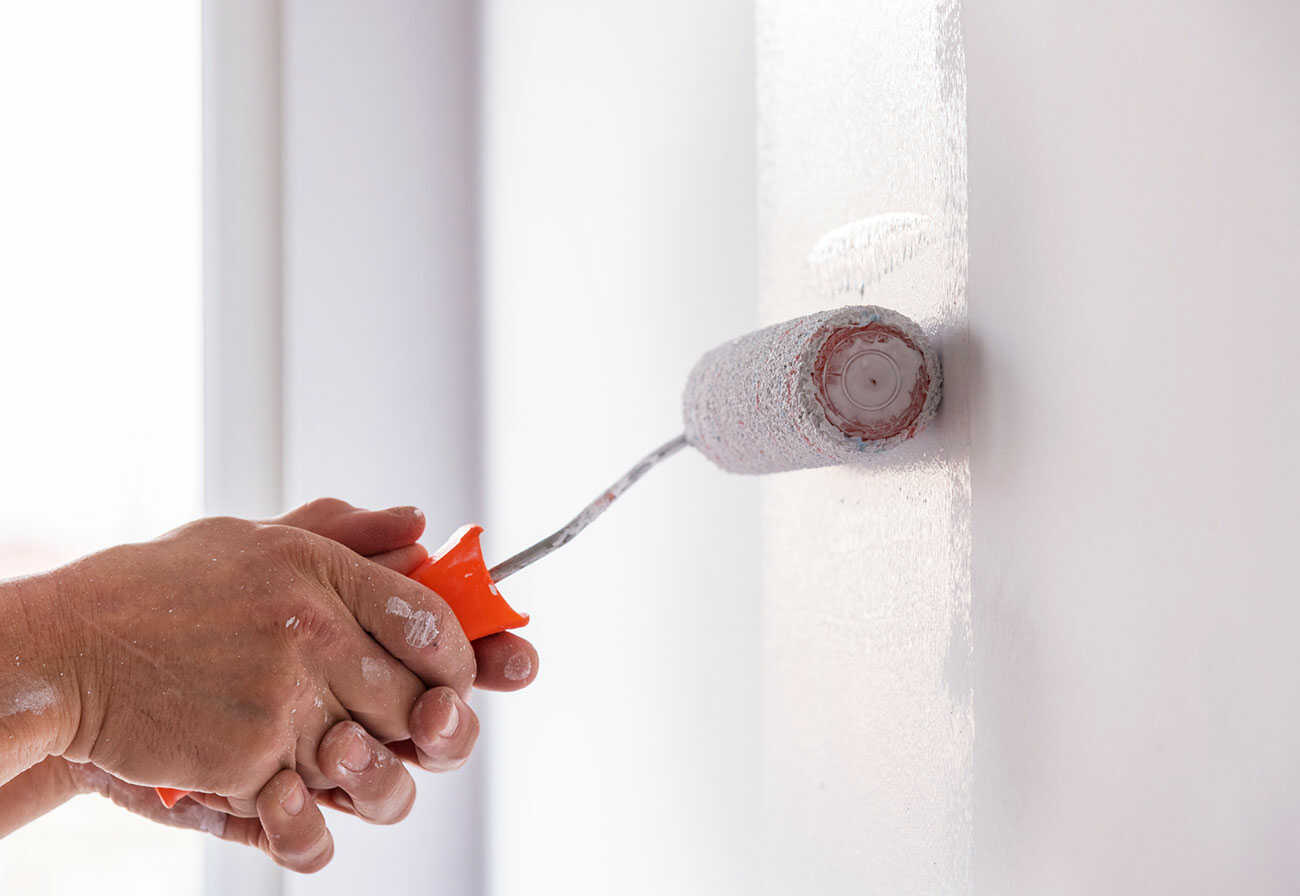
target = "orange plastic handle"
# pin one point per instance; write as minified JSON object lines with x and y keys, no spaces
{"x":457,"y":573}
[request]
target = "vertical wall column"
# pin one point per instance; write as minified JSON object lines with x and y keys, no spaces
{"x":867,"y":694}
{"x":242,"y":252}
{"x":382,"y":349}
{"x":342,"y":336}
{"x":242,"y":303}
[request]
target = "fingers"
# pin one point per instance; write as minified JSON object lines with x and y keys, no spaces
{"x":363,"y":531}
{"x":505,"y":662}
{"x":443,"y":730}
{"x":372,"y":686}
{"x":375,"y":784}
{"x":403,"y":560}
{"x":292,"y":829}
{"x":408,"y":620}
{"x":144,"y":801}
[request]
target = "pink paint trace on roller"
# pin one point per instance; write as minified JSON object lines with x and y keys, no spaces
{"x":830,"y":388}
{"x":871,"y":381}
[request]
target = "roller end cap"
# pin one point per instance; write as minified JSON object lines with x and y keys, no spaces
{"x":874,"y":382}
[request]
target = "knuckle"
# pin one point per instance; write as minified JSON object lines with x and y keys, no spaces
{"x":209,"y":527}
{"x":287,"y":541}
{"x":455,"y":661}
{"x":319,"y":507}
{"x":333,"y":746}
{"x":434,"y":633}
{"x":303,"y":621}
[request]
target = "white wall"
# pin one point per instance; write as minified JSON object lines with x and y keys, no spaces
{"x":1135,"y":202}
{"x":619,"y":229}
{"x":381,"y":333}
{"x":866,"y":641}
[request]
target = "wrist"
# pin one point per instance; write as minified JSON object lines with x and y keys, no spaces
{"x":41,"y":682}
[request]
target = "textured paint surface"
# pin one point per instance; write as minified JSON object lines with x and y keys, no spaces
{"x":867,"y":690}
{"x":758,"y":404}
{"x":1135,"y":204}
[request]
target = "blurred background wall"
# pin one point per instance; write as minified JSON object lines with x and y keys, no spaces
{"x":382,"y":344}
{"x":619,"y":241}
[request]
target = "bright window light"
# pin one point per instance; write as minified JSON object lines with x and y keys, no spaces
{"x":100,"y":365}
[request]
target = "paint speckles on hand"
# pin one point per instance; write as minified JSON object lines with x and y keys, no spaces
{"x":421,"y":629}
{"x":36,"y":698}
{"x":421,"y":626}
{"x":518,"y":667}
{"x":292,"y":622}
{"x":373,"y":671}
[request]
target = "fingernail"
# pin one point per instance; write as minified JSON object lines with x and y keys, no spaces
{"x":295,"y":799}
{"x":356,"y":755}
{"x":453,"y":720}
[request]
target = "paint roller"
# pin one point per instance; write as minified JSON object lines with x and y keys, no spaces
{"x":830,"y":388}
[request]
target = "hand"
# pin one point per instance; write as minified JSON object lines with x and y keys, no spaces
{"x":299,"y":841}
{"x":238,"y":673}
{"x":381,"y":791}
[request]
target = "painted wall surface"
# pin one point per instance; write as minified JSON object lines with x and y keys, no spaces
{"x":866,"y":636}
{"x":618,"y":239}
{"x":1135,"y":204}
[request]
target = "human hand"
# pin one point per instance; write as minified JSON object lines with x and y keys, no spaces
{"x":275,"y":616}
{"x":380,"y":792}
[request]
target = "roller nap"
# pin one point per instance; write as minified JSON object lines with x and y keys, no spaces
{"x":831,"y":388}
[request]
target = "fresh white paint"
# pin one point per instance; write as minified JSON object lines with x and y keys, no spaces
{"x":1135,"y":300}
{"x":867,"y":732}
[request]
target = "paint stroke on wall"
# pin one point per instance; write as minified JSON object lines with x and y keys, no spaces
{"x":867,"y":694}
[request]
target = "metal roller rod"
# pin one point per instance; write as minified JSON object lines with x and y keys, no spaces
{"x":563,"y":536}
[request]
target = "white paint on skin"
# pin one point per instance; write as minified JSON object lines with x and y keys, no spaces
{"x":373,"y":671}
{"x":189,"y":814}
{"x":37,"y":699}
{"x":292,"y":622}
{"x":421,"y":626}
{"x":518,"y":667}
